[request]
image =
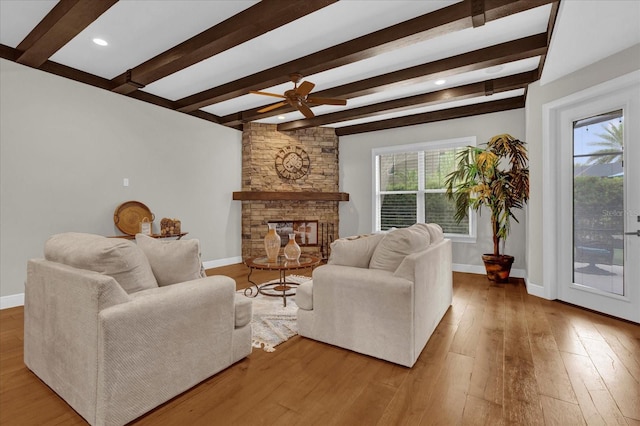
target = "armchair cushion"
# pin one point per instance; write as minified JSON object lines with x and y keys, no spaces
{"x":115,"y":257}
{"x":396,"y":245}
{"x":172,"y":261}
{"x":354,"y":251}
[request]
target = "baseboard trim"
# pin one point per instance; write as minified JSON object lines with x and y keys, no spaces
{"x":479,"y":269}
{"x":536,"y":290}
{"x":222,"y":262}
{"x":11,"y":301}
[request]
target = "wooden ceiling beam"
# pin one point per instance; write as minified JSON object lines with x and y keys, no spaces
{"x":434,"y":98}
{"x":477,"y":13}
{"x":483,"y":58}
{"x":442,"y":21}
{"x":553,"y":15}
{"x":430,"y":25}
{"x":496,"y":9}
{"x":8,"y":53}
{"x":252,"y":22}
{"x":65,"y":21}
{"x":499,"y":54}
{"x":430,"y":117}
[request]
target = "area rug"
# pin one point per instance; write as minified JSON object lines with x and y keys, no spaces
{"x":272,"y":322}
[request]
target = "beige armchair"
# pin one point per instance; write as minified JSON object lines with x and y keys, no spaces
{"x":381,"y":295}
{"x":111,"y":342}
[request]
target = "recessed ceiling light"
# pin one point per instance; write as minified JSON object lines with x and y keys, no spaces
{"x":440,"y":82}
{"x":281,"y":117}
{"x":494,"y":70}
{"x":100,"y":42}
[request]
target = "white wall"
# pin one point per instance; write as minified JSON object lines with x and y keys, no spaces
{"x":66,"y":147}
{"x":614,"y":66}
{"x":356,"y":175}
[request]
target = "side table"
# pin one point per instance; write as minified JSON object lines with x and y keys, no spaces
{"x":282,"y":288}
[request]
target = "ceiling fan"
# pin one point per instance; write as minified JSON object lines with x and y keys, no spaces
{"x":299,"y":97}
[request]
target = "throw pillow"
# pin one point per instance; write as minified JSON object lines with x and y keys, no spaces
{"x":354,"y":251}
{"x":116,"y":257}
{"x":395,"y":246}
{"x":172,"y":261}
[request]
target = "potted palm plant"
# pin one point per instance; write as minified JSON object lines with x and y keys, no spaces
{"x":496,"y":177}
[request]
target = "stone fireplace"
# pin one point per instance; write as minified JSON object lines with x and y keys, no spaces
{"x":266,"y":196}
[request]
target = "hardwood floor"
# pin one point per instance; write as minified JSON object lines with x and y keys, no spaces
{"x":499,"y":357}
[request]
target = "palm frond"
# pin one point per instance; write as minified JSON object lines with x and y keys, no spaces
{"x":478,"y":180}
{"x":612,"y":144}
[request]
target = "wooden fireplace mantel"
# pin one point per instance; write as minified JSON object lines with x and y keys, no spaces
{"x":290,"y":195}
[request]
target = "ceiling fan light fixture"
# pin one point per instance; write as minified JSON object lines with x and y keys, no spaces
{"x":300,"y":98}
{"x":100,"y":41}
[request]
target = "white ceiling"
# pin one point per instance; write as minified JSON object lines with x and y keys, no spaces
{"x":137,"y":30}
{"x":588,"y":31}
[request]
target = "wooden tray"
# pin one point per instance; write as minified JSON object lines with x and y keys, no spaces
{"x":128,"y":216}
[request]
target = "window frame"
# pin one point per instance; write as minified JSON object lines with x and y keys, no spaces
{"x":420,"y":148}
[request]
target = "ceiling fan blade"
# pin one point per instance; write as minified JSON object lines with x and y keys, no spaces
{"x":268,"y":94}
{"x":272,"y":107}
{"x":305,"y":110}
{"x":326,"y":101}
{"x":305,"y":88}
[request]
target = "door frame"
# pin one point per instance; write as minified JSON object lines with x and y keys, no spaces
{"x":610,"y":95}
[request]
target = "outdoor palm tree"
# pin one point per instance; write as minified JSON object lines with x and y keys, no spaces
{"x":611,"y":143}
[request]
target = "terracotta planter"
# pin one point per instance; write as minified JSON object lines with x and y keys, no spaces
{"x":498,"y":267}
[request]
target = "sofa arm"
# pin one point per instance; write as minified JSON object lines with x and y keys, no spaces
{"x":430,"y":268}
{"x":182,"y":330}
{"x":61,"y":327}
{"x":431,"y":271}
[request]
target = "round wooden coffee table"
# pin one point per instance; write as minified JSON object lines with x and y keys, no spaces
{"x":281,"y":288}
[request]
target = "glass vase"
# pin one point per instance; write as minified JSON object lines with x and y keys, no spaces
{"x":292,"y":249}
{"x":272,"y":243}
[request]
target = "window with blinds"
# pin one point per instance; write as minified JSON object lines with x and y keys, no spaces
{"x":410,"y":187}
{"x":398,"y":190}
